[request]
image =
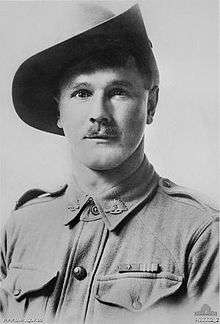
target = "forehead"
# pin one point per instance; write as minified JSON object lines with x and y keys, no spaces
{"x":103,"y":77}
{"x":111,"y":59}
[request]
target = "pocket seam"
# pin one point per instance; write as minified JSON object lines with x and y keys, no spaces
{"x":140,"y":275}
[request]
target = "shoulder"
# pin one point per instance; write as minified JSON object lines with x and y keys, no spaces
{"x":37,"y":208}
{"x":187,"y":198}
{"x":180,"y":214}
{"x":36,"y":214}
{"x":180,"y":207}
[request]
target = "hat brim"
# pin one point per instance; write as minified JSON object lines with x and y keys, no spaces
{"x":35,"y":80}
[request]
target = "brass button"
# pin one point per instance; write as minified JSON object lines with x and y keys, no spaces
{"x":17,"y":292}
{"x":79,"y":273}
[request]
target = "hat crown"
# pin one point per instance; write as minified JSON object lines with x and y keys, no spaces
{"x":57,"y":21}
{"x":84,"y":17}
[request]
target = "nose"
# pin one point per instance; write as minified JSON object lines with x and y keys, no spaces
{"x":100,"y":120}
{"x":100,"y":110}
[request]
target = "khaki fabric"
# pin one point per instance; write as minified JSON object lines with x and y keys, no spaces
{"x":147,"y":248}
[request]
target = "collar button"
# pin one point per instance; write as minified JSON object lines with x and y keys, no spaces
{"x":94,"y":210}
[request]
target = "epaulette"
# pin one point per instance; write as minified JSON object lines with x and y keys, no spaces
{"x":38,"y":193}
{"x":179,"y":191}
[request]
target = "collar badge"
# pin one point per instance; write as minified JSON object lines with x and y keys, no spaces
{"x":74,"y":206}
{"x":116,"y":207}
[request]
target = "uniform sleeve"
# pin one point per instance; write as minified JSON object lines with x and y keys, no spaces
{"x":3,"y":248}
{"x":203,"y":266}
{"x":8,"y":238}
{"x":3,"y":272}
{"x":6,"y":250}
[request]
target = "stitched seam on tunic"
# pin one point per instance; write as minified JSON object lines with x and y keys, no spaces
{"x":198,"y":234}
{"x":67,"y":273}
{"x":96,"y":265}
{"x":196,"y":255}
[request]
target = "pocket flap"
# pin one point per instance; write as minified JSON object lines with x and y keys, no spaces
{"x":20,"y":282}
{"x":136,"y":292}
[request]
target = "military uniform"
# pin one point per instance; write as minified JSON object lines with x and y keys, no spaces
{"x":140,"y":252}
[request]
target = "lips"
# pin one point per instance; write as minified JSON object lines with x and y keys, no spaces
{"x":100,"y":136}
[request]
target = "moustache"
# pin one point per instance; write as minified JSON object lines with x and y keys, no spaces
{"x":101,"y":130}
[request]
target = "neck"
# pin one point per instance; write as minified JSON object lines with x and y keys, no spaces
{"x":94,"y":181}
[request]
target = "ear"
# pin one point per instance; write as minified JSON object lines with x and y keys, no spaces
{"x":59,"y":123}
{"x":152,"y":103}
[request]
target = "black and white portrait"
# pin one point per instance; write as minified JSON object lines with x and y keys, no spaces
{"x":109,"y":162}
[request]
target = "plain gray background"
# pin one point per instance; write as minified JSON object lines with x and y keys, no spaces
{"x":182,"y":143}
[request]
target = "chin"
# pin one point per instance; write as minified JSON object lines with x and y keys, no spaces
{"x":104,"y":161}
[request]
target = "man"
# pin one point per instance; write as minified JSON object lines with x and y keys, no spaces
{"x":119,"y":243}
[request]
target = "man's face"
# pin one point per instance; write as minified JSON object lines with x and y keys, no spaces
{"x":103,"y":115}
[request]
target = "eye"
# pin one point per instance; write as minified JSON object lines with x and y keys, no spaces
{"x":81,"y":93}
{"x":119,"y":92}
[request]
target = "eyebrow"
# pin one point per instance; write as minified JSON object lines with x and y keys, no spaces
{"x":76,"y":85}
{"x":124,"y":83}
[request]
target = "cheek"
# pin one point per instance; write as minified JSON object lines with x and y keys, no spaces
{"x":134,"y":121}
{"x":72,"y":119}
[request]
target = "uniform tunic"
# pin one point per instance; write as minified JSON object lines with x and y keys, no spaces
{"x":140,"y":252}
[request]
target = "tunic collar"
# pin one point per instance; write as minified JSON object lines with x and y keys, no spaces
{"x":116,"y":203}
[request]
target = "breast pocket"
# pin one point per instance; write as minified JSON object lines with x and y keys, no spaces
{"x":128,"y":297}
{"x":26,"y":291}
